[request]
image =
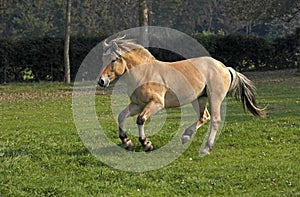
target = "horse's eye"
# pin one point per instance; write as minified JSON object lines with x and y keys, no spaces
{"x":113,"y":61}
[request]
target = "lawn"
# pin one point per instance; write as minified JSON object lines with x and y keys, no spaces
{"x":42,"y":154}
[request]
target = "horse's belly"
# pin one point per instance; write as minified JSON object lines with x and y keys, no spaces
{"x":173,"y":99}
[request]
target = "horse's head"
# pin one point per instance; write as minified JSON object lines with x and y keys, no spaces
{"x":119,"y":56}
{"x":114,"y":64}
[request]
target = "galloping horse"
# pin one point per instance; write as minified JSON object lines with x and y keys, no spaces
{"x":161,"y":85}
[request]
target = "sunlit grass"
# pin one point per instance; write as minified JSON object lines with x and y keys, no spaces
{"x":41,"y":153}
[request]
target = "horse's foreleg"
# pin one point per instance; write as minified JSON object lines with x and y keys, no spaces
{"x":203,"y":114}
{"x":151,"y":108}
{"x":130,"y":110}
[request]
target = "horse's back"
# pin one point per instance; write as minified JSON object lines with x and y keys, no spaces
{"x":205,"y":73}
{"x":201,"y":69}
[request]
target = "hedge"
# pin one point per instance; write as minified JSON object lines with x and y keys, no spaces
{"x":246,"y":53}
{"x":37,"y":59}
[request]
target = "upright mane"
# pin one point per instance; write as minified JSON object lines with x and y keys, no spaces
{"x":120,"y":45}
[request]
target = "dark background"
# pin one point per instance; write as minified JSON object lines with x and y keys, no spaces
{"x":247,"y":35}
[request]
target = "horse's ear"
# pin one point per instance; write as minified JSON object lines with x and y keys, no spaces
{"x":115,"y":49}
{"x":115,"y":46}
{"x":122,"y":37}
{"x":105,"y":43}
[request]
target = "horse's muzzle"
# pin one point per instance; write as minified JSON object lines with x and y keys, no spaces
{"x":103,"y":82}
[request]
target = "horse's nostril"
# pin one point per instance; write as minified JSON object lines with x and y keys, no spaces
{"x":101,"y":82}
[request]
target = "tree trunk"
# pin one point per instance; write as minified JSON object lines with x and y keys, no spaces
{"x":67,"y":43}
{"x":210,"y":22}
{"x":249,"y":27}
{"x":144,"y":22}
{"x":4,"y":75}
{"x":298,"y":55}
{"x":144,"y":13}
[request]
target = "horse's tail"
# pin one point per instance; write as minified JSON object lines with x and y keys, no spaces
{"x":243,"y":90}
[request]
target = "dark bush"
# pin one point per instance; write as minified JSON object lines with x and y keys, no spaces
{"x":165,"y":55}
{"x":244,"y":52}
{"x":209,"y":41}
{"x":285,"y":52}
{"x":6,"y":58}
{"x":43,"y":57}
{"x":36,"y":59}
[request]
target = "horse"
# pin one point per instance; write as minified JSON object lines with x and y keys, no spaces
{"x":161,"y":85}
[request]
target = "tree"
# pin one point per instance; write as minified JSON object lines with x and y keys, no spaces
{"x":67,"y":42}
{"x":29,"y":18}
{"x":244,"y":14}
{"x":210,"y":13}
{"x":297,"y":34}
{"x":144,"y":21}
{"x":286,"y":10}
{"x":144,"y":12}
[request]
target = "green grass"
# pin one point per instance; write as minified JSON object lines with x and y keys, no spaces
{"x":41,"y":153}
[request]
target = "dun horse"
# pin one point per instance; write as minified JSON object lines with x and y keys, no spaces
{"x":161,"y":85}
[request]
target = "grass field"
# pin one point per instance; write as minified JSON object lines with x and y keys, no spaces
{"x":41,"y":153}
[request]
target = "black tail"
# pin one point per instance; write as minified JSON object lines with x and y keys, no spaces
{"x":244,"y":90}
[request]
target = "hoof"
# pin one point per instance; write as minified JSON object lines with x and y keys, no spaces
{"x":185,"y":139}
{"x":128,"y":145}
{"x":148,"y":147}
{"x":205,"y":151}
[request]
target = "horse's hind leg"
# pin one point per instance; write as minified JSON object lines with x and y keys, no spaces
{"x":203,"y":114}
{"x":130,"y":110}
{"x":215,"y":109}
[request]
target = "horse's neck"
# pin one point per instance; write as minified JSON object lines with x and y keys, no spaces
{"x":139,"y":57}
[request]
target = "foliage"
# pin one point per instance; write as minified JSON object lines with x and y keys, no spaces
{"x":29,"y":18}
{"x":44,"y":56}
{"x":208,"y":40}
{"x":245,"y":53}
{"x":286,"y":51}
{"x":252,"y":157}
{"x":27,"y":74}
